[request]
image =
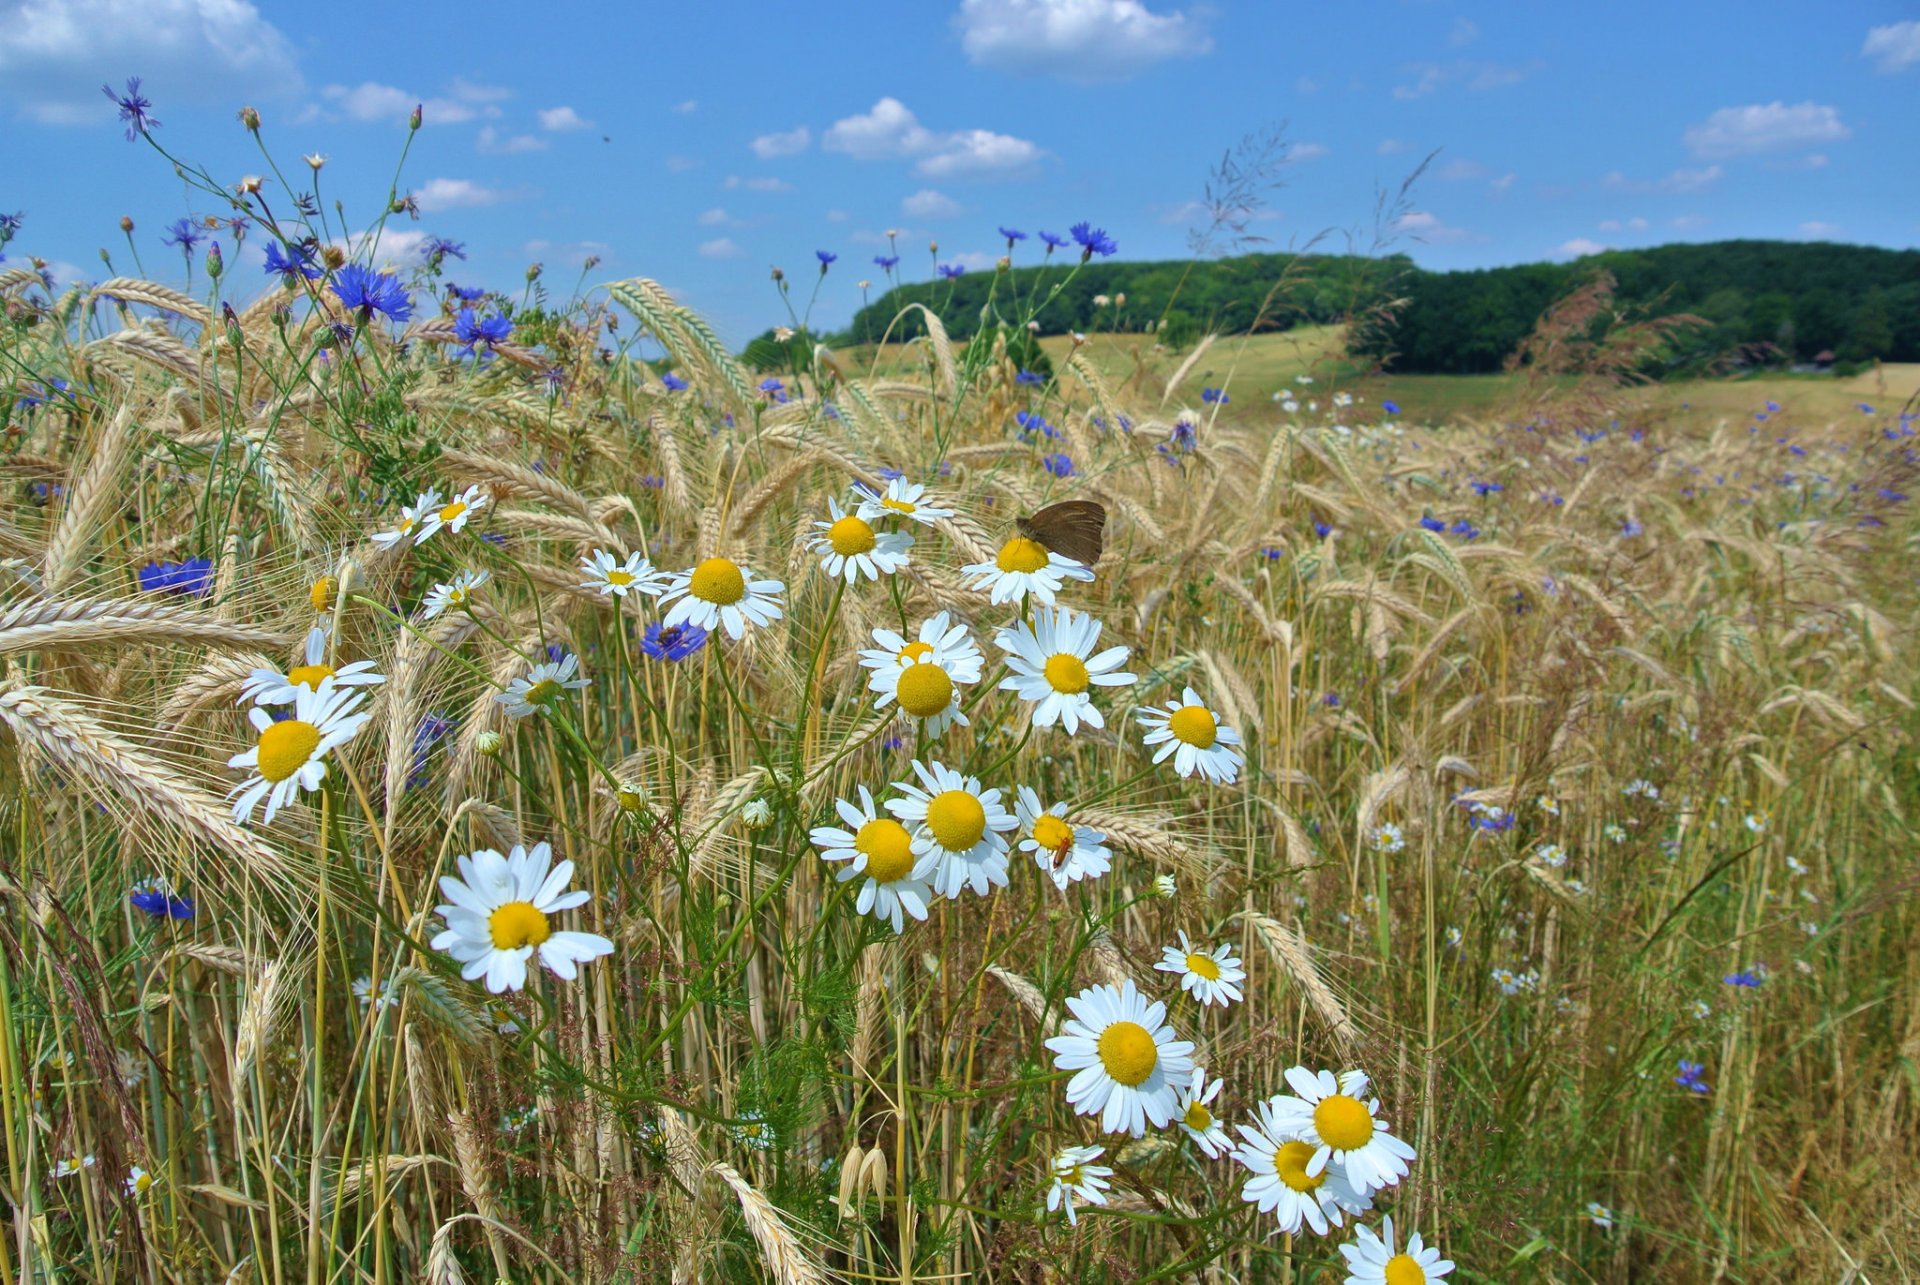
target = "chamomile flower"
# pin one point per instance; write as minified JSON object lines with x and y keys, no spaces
{"x":271,"y":687}
{"x":1601,"y":1215}
{"x":1372,"y":1261}
{"x":389,"y":996}
{"x":849,"y":547}
{"x":71,"y":1165}
{"x":499,"y":916}
{"x":1054,"y":663}
{"x":957,"y":823}
{"x":138,"y":1181}
{"x":412,"y":517}
{"x":1343,"y":1127}
{"x":881,"y":849}
{"x":291,"y":755}
{"x":1067,"y":852}
{"x":454,"y":594}
{"x":1127,"y":1058}
{"x":719,"y":591}
{"x":925,"y":677}
{"x":901,"y":499}
{"x":541,"y":686}
{"x":610,"y":575}
{"x":1280,"y":1184}
{"x":1194,"y":737}
{"x":1197,"y":1118}
{"x":1025,"y":567}
{"x":1076,"y":1177}
{"x":453,"y":515}
{"x":1211,"y":978}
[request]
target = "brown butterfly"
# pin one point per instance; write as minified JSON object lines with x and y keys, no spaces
{"x":1071,"y":528}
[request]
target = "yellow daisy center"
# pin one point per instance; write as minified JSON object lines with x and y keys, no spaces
{"x":517,"y":924}
{"x":1128,"y":1052}
{"x":718,"y":580}
{"x":915,"y":651}
{"x":543,"y":692}
{"x":285,"y":748}
{"x":1195,"y":725}
{"x":629,"y":798}
{"x":453,"y":510}
{"x":1402,"y":1270}
{"x":141,"y":1183}
{"x":850,"y":535}
{"x":957,"y":819}
{"x":309,"y":676}
{"x":900,"y":506}
{"x":1290,"y":1162}
{"x":323,"y":593}
{"x":1197,"y":1117}
{"x":1021,"y":554}
{"x":1204,"y":965}
{"x":408,"y":522}
{"x":1067,"y":673}
{"x":888,"y":848}
{"x":1343,"y":1123}
{"x":619,"y":577}
{"x":924,"y":689}
{"x":1051,"y":833}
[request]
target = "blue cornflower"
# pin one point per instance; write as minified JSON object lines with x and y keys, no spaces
{"x":133,"y":108}
{"x":1590,"y":437}
{"x":156,"y":897}
{"x":300,"y":264}
{"x":1214,"y":395}
{"x":1689,"y":1077}
{"x":1890,"y":495}
{"x":1630,"y":528}
{"x":1031,"y":423}
{"x":1272,"y":553}
{"x":488,"y":331}
{"x":1484,"y":489}
{"x":466,"y":294}
{"x":891,"y":474}
{"x":1053,"y":241}
{"x":1012,"y":236}
{"x":1322,"y":529}
{"x":493,"y":537}
{"x":9,"y":227}
{"x":1331,"y":700}
{"x":1431,"y":523}
{"x":674,"y":383}
{"x":1773,"y":408}
{"x":184,"y":233}
{"x":652,"y":481}
{"x":365,"y":291}
{"x":557,"y":652}
{"x":193,"y":577}
{"x":1183,"y":438}
{"x":1029,"y":377}
{"x":1093,"y":241}
{"x":674,"y":642}
{"x":825,"y":257}
{"x":951,"y":271}
{"x":436,"y":248}
{"x":892,"y":743}
{"x":1391,"y":408}
{"x":1465,"y":528}
{"x":42,"y":394}
{"x":434,"y":727}
{"x":1747,"y":977}
{"x":1058,"y":465}
{"x":886,"y":262}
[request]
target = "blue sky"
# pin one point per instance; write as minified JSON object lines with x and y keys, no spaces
{"x":702,"y":144}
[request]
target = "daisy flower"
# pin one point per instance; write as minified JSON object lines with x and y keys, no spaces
{"x":389,"y":996}
{"x":501,"y":915}
{"x":881,"y":849}
{"x":453,"y":515}
{"x":72,"y":1165}
{"x":291,"y":755}
{"x":1025,"y":567}
{"x":1371,"y":1260}
{"x":718,"y":591}
{"x":925,"y":677}
{"x":539,"y":687}
{"x":611,"y":576}
{"x":411,"y":517}
{"x":454,"y":595}
{"x":1054,"y":663}
{"x":959,"y":825}
{"x":901,"y":498}
{"x":1342,"y":1126}
{"x":939,"y":640}
{"x":138,"y":1180}
{"x":1127,"y":1058}
{"x":1602,"y":1216}
{"x":1210,"y":978}
{"x":1067,"y":852}
{"x":849,"y":547}
{"x":1280,"y":1184}
{"x":1197,"y":1118}
{"x":271,"y":687}
{"x":1076,"y":1177}
{"x":1195,"y":737}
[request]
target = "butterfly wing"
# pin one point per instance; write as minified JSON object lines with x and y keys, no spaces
{"x":1072,"y":528}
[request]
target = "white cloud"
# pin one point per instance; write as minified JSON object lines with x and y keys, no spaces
{"x":1307,"y":151}
{"x":1427,"y":227}
{"x":559,"y":120}
{"x":1477,"y":76}
{"x":55,"y":54}
{"x":1814,"y":230}
{"x":763,"y":184}
{"x":1580,"y":247}
{"x":768,"y":146}
{"x":837,"y":216}
{"x":492,"y":143}
{"x":438,"y":194}
{"x":1390,"y":147}
{"x":1638,"y":224}
{"x":929,"y":204}
{"x":973,"y":260}
{"x":890,"y":131}
{"x":1688,"y":222}
{"x":720,"y":248}
{"x":681,"y":164}
{"x":371,"y":101}
{"x":1456,"y":170}
{"x":1186,"y":212}
{"x":1682,"y":180}
{"x":1465,"y":32}
{"x":397,"y":247}
{"x":685,"y":106}
{"x":713,"y":217}
{"x":575,"y":253}
{"x":1765,"y":127}
{"x":1627,"y":225}
{"x":1306,"y":85}
{"x":1895,"y":47}
{"x":1077,"y":40}
{"x":1504,"y":183}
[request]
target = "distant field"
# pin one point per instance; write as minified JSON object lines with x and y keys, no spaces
{"x":1253,"y":369}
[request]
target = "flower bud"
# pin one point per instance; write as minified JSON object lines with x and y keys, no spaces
{"x":334,"y":256}
{"x":126,"y":225}
{"x":630,"y":797}
{"x":757,"y":814}
{"x":215,"y":265}
{"x":778,"y":275}
{"x":413,"y":121}
{"x":324,"y":593}
{"x":1163,"y":886}
{"x":488,"y":744}
{"x":533,"y":272}
{"x":248,"y":186}
{"x":315,"y":161}
{"x":1003,"y":263}
{"x":250,"y":117}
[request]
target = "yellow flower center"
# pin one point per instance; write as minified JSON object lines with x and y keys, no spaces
{"x":957,"y":820}
{"x":629,"y":798}
{"x":1343,"y":1123}
{"x":1066,"y":673}
{"x":1198,"y":1118}
{"x":408,"y":522}
{"x":1290,"y":1162}
{"x":924,"y":689}
{"x":517,"y":924}
{"x":1195,"y":725}
{"x":309,"y":676}
{"x":543,"y":692}
{"x":1051,"y":833}
{"x":323,"y":593}
{"x":453,"y":510}
{"x":1204,"y":965}
{"x":285,"y":748}
{"x":915,"y":651}
{"x":1402,"y":1270}
{"x":619,"y":577}
{"x":1021,"y":554}
{"x":141,"y":1183}
{"x":718,"y":580}
{"x":850,"y":535}
{"x":900,"y":506}
{"x":1127,"y":1051}
{"x":888,"y":848}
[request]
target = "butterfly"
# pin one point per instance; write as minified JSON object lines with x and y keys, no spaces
{"x":1071,"y":528}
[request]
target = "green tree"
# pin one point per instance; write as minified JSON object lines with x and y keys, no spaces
{"x":1872,"y":335}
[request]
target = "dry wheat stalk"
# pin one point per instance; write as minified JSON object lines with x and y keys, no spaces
{"x":786,"y":1259}
{"x":1291,"y":952}
{"x":41,"y":624}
